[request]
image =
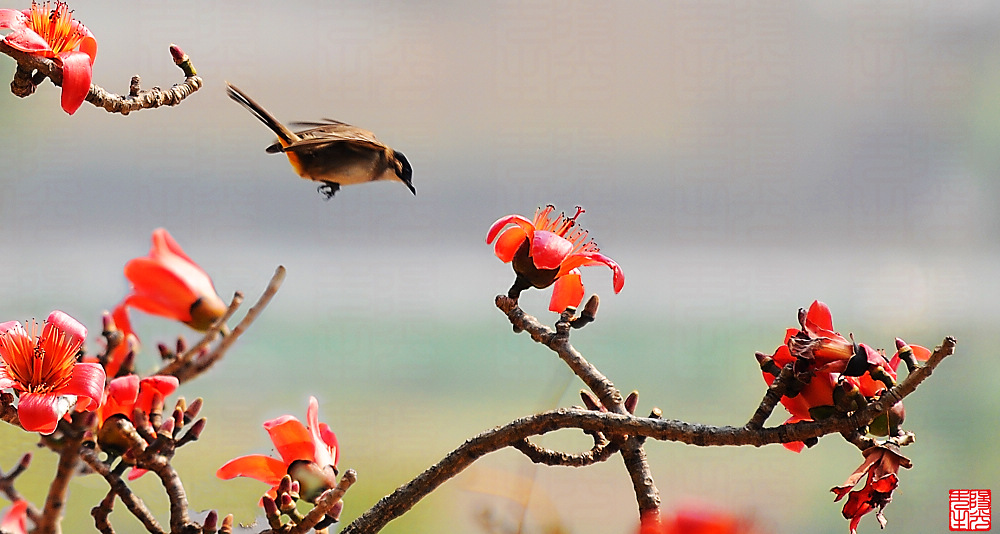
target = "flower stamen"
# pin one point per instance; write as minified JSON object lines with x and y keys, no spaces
{"x":55,"y":25}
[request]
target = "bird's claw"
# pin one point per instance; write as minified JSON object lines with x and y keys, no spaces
{"x":328,"y":189}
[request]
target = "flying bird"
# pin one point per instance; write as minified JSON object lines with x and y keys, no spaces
{"x":331,"y":152}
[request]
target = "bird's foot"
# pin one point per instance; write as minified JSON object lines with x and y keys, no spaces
{"x":328,"y":189}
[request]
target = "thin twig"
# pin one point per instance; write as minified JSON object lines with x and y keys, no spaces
{"x":600,"y":452}
{"x":771,"y":397}
{"x":131,"y":500}
{"x":203,"y":363}
{"x":646,"y":493}
{"x":325,"y":503}
{"x":8,"y":489}
{"x":210,"y":335}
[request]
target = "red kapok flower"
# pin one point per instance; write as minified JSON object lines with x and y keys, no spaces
{"x":53,"y":33}
{"x":882,"y":463}
{"x":826,"y":350}
{"x":169,"y":284}
{"x":123,"y":397}
{"x":549,"y":250}
{"x":696,"y":519}
{"x":43,"y":371}
{"x":127,"y":393}
{"x":15,"y":521}
{"x":308,"y":454}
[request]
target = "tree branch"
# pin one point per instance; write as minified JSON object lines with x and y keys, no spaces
{"x":193,"y":367}
{"x":646,"y":493}
{"x":32,"y":70}
{"x":118,"y":487}
{"x":407,"y":495}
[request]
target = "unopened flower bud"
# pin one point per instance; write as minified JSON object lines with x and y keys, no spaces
{"x":590,"y":400}
{"x":285,"y":503}
{"x":193,"y":409}
{"x":285,"y":485}
{"x":632,"y":401}
{"x":178,"y":54}
{"x":211,"y":522}
{"x":906,"y":355}
{"x":270,"y":507}
{"x":165,"y":352}
{"x":167,"y":428}
{"x":335,"y":511}
{"x":196,"y":429}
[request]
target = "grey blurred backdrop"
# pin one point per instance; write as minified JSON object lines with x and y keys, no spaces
{"x":738,"y":159}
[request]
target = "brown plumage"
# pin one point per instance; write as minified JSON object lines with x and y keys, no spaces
{"x":331,"y":152}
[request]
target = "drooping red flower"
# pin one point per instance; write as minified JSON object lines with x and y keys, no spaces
{"x":826,"y":350}
{"x":44,"y":372}
{"x":821,"y":359}
{"x":52,"y":32}
{"x":882,"y":463}
{"x":697,"y":519}
{"x":308,"y":453}
{"x":15,"y":521}
{"x":549,"y":250}
{"x":170,"y":284}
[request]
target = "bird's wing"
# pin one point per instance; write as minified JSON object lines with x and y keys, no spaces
{"x":320,"y":123}
{"x":335,"y":132}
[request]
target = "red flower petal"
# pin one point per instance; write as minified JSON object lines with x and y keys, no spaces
{"x":159,"y":290}
{"x":152,"y":386}
{"x":921,"y":354}
{"x":567,"y":292}
{"x":323,"y":453}
{"x":88,"y":45}
{"x":135,"y":473}
{"x":820,"y":316}
{"x":68,"y":325}
{"x":87,"y":383}
{"x":77,"y":72}
{"x":256,"y":466}
{"x":508,"y":243}
{"x":164,"y":244}
{"x":15,"y":521}
{"x":22,"y":37}
{"x":291,"y":439}
{"x":548,"y":250}
{"x":119,"y":397}
{"x":500,"y":223}
{"x":595,"y":258}
{"x":39,"y":412}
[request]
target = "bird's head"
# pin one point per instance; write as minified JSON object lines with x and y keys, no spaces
{"x":404,"y":171}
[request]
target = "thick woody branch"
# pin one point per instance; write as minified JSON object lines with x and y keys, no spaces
{"x":406,"y":496}
{"x":69,"y":460}
{"x":32,"y":70}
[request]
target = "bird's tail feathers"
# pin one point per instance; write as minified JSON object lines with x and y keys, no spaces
{"x":284,"y":134}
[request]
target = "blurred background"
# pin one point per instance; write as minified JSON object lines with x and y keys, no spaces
{"x":738,"y":159}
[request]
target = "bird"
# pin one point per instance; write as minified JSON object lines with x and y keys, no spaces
{"x":330,"y":151}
